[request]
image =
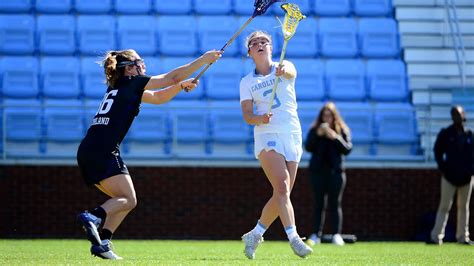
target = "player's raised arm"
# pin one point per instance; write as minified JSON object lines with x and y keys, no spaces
{"x":180,"y":73}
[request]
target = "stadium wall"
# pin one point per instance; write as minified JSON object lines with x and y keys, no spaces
{"x":214,"y":202}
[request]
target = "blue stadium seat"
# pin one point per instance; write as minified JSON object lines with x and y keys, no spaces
{"x":173,"y":7}
{"x":359,"y":117}
{"x":92,"y":78}
{"x":23,"y":128}
{"x":265,"y":23}
{"x":64,"y":127}
{"x":395,"y":130}
{"x":96,"y":34}
{"x":338,"y":37}
{"x":150,"y":134}
{"x":153,"y":65}
{"x":212,"y":37}
{"x":378,"y":37}
{"x":231,"y":136}
{"x":373,"y":8}
{"x":17,"y":34}
{"x":304,"y":5}
{"x":222,"y":79}
{"x":56,"y":34}
{"x":346,"y":79}
{"x":387,"y":80}
{"x":93,"y":6}
{"x":336,"y":8}
{"x":310,"y":79}
{"x":133,"y":6}
{"x":20,"y":82}
{"x":170,"y":63}
{"x":243,"y":8}
{"x":190,"y":123}
{"x":135,"y":31}
{"x":177,"y":35}
{"x":213,"y":7}
{"x":17,"y":6}
{"x":304,"y":43}
{"x":53,"y":6}
{"x":60,"y":77}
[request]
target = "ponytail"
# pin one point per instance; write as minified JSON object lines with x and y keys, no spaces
{"x":110,"y":61}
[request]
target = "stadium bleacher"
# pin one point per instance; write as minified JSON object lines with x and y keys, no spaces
{"x":347,"y":51}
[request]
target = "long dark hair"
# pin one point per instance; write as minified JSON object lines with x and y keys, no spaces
{"x":339,"y":125}
{"x":110,"y":61}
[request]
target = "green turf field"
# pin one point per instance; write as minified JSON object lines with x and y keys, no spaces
{"x":158,"y":252}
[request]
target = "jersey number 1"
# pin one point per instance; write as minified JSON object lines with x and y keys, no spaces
{"x":107,"y":102}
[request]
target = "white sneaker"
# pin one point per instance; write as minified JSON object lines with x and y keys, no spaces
{"x":104,"y":251}
{"x":300,"y":248}
{"x":313,"y":240}
{"x":251,"y":240}
{"x":337,"y":240}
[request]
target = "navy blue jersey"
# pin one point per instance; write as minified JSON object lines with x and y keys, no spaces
{"x":115,"y":115}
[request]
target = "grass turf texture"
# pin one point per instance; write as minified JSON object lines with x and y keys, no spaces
{"x":154,"y":252}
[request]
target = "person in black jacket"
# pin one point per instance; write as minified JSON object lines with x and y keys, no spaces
{"x":453,"y":152}
{"x":328,"y":140}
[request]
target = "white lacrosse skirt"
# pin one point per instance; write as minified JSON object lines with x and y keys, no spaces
{"x":287,"y":144}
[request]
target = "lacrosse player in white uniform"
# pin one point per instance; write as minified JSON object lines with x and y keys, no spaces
{"x":278,"y":141}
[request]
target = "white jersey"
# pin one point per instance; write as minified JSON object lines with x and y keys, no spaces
{"x":258,"y":88}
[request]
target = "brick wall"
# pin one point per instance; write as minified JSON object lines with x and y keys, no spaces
{"x":212,"y":203}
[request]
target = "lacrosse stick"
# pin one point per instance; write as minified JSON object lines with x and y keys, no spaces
{"x":260,"y":7}
{"x":293,"y":16}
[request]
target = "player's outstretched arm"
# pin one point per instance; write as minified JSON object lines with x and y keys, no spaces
{"x":166,"y":94}
{"x":180,"y":73}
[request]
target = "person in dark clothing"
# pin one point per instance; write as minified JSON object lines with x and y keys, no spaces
{"x":98,"y":155}
{"x":328,"y":140}
{"x":453,"y":152}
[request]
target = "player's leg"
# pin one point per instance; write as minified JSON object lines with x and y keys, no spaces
{"x":270,"y":211}
{"x":274,"y":166}
{"x":123,"y":199}
{"x":278,"y":173}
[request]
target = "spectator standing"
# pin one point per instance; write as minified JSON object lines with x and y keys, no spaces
{"x":328,"y":140}
{"x":453,"y":152}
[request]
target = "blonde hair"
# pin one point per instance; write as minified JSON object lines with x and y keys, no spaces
{"x":110,"y":62}
{"x":255,"y":34}
{"x":339,"y":124}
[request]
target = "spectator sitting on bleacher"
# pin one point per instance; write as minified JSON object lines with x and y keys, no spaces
{"x":453,"y":152}
{"x":98,"y":155}
{"x":329,"y":138}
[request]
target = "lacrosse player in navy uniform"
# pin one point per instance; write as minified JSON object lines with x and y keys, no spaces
{"x":98,"y":155}
{"x":278,"y":141}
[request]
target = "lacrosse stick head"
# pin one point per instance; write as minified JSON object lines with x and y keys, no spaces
{"x":261,"y":6}
{"x":293,"y":16}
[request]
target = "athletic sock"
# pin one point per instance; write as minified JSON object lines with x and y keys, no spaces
{"x":105,"y":234}
{"x":291,"y":232}
{"x":99,"y":212}
{"x":260,"y":228}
